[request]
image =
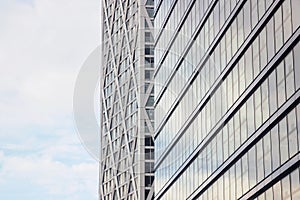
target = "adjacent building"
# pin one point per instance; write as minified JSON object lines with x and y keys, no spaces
{"x":127,"y":96}
{"x":227,"y":112}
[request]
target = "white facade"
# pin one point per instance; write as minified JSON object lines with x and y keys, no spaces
{"x":127,"y":148}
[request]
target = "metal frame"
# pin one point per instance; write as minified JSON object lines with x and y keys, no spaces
{"x":137,"y":80}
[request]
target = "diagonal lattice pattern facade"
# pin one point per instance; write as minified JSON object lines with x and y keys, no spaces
{"x":127,"y":149}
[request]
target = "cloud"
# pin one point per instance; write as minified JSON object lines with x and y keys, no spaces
{"x":55,"y":178}
{"x":42,"y":48}
{"x":43,"y":45}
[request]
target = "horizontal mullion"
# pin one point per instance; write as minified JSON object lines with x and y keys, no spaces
{"x":201,"y":64}
{"x":157,"y":8}
{"x":250,"y":142}
{"x":249,"y":91}
{"x":273,"y":178}
{"x":186,"y":49}
{"x":180,"y":24}
{"x":166,"y":19}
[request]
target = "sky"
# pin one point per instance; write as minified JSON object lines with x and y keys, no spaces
{"x":43,"y":44}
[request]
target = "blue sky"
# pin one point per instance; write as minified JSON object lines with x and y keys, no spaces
{"x":43,"y":44}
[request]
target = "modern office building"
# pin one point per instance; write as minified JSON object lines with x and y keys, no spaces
{"x":127,"y":96}
{"x":227,"y":112}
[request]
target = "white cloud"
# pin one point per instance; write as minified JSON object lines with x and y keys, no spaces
{"x":56,"y":178}
{"x":42,"y":48}
{"x":43,"y":45}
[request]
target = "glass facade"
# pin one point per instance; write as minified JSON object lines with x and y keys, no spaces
{"x":227,"y":113}
{"x":127,"y":97}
